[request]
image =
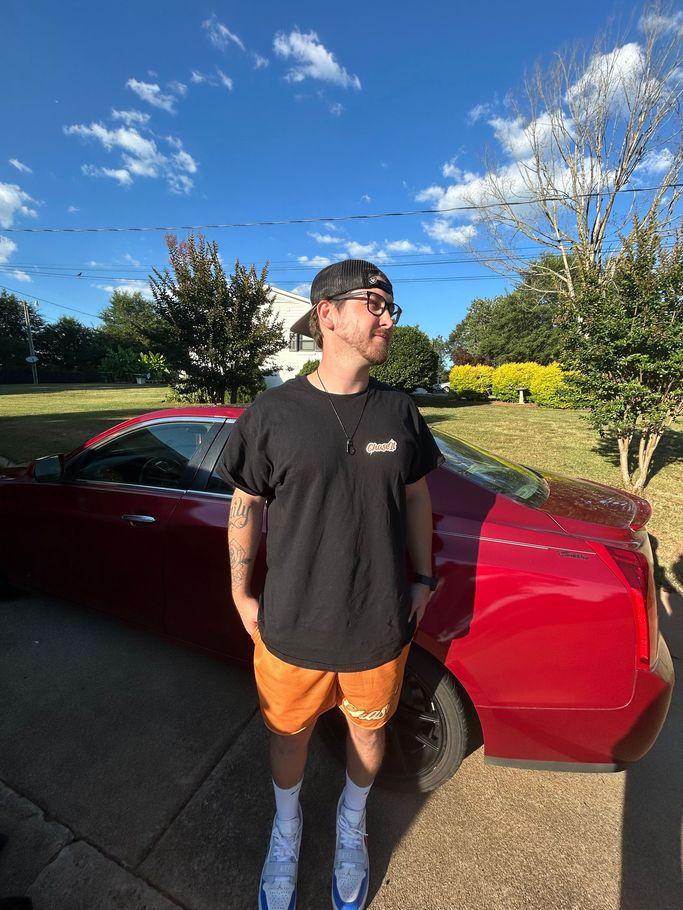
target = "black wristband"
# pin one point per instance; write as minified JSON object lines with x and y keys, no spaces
{"x":430,"y":580}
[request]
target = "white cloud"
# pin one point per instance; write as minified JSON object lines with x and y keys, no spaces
{"x":360,"y":250}
{"x":444,"y":232}
{"x":132,"y":260}
{"x":140,"y":156}
{"x":616,"y":75}
{"x":226,"y":81}
{"x":431,"y":194}
{"x":152,"y":94}
{"x":655,"y":162}
{"x":20,"y":166}
{"x":130,"y":117}
{"x":406,"y":246}
{"x":7,"y":247}
{"x":13,"y":202}
{"x":219,"y":79}
{"x":324,"y":238}
{"x":130,"y":287}
{"x":303,"y":290}
{"x":220,"y":35}
{"x":365,"y":198}
{"x":315,"y":261}
{"x":260,"y":62}
{"x":336,"y":109}
{"x":655,"y":22}
{"x":73,"y":209}
{"x":20,"y":275}
{"x":450,"y":171}
{"x":121,"y":175}
{"x":178,"y":87}
{"x":478,"y":112}
{"x":313,"y":60}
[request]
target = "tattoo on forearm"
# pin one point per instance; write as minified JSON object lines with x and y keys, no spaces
{"x":239,"y":512}
{"x":238,"y":562}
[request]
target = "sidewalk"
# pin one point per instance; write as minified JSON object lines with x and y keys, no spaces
{"x":135,"y":777}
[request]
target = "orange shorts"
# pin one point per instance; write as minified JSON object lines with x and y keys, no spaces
{"x":292,"y":698}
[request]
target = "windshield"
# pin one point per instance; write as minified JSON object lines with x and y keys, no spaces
{"x":493,"y":472}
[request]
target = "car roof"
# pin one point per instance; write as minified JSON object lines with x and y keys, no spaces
{"x":211,"y":410}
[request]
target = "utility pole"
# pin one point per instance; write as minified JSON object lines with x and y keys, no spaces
{"x":32,"y":359}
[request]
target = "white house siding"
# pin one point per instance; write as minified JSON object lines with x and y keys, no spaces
{"x":288,"y":307}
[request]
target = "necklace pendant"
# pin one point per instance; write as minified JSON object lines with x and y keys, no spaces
{"x":349,"y":448}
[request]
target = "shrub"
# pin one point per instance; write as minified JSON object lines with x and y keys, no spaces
{"x":309,"y":367}
{"x":471,"y":382}
{"x":509,"y":377}
{"x":155,"y":366}
{"x":120,"y":365}
{"x":551,"y":388}
{"x":412,"y":360}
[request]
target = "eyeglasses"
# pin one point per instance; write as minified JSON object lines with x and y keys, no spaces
{"x":376,"y":304}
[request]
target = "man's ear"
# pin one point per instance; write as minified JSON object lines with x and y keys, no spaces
{"x":325,"y":315}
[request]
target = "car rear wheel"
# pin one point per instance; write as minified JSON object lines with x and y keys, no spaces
{"x":428,"y":736}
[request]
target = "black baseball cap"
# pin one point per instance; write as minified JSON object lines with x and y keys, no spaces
{"x":340,"y":278}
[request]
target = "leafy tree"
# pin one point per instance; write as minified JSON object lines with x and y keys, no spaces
{"x":155,"y":366}
{"x":581,"y":133}
{"x":309,"y":367}
{"x":515,"y":327}
{"x":443,"y":352}
{"x":412,"y":360}
{"x":130,"y":321}
{"x":13,"y":332}
{"x":70,"y":345}
{"x":222,"y":329}
{"x":120,"y":365}
{"x":624,"y":334}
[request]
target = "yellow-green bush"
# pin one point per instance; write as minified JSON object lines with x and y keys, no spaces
{"x":550,"y":389}
{"x":470,"y":382}
{"x":509,"y":377}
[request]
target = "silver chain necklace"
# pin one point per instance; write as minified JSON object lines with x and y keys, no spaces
{"x":350,"y":448}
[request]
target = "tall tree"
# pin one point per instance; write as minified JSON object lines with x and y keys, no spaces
{"x":223,"y":329}
{"x":130,"y":321}
{"x":584,"y":131}
{"x":412,"y":361}
{"x":13,"y":331}
{"x":70,"y":345}
{"x":624,"y":335}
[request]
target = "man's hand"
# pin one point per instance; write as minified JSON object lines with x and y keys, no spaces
{"x":247,"y":607}
{"x":419,"y":595}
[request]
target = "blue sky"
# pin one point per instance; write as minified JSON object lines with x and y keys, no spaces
{"x":152,"y":114}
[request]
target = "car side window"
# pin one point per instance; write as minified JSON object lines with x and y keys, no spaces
{"x":217,"y":482}
{"x":153,"y":456}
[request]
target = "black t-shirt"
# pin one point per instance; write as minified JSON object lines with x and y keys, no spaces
{"x":336,"y":595}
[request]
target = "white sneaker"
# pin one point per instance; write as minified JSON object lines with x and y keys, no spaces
{"x":277,"y":890}
{"x":351,"y":874}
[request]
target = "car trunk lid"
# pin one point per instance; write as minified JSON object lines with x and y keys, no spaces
{"x":575,"y":502}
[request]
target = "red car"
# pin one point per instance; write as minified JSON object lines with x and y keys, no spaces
{"x":542,"y":639}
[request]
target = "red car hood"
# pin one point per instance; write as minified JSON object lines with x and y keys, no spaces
{"x":584,"y":500}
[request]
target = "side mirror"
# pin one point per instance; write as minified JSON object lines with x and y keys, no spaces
{"x":48,"y":469}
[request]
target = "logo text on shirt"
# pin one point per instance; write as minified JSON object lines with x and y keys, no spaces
{"x":373,"y":447}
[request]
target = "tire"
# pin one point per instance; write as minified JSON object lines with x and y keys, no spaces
{"x":427,"y":738}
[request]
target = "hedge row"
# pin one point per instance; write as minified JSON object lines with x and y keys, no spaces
{"x":548,"y":386}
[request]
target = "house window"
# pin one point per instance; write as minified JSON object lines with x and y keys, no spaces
{"x":302,"y":343}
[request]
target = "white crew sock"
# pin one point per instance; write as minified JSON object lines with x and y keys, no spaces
{"x":287,"y":803}
{"x":355,"y":797}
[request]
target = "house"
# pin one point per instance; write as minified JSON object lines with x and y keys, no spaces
{"x":299,"y":349}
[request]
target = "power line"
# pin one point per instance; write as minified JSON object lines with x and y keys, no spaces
{"x":61,"y":306}
{"x":367,"y":216}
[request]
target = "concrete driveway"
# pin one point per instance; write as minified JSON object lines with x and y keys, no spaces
{"x":134,"y":777}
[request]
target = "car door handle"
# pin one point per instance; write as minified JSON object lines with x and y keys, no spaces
{"x":140,"y":519}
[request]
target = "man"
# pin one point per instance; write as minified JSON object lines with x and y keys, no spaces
{"x":341,"y":460}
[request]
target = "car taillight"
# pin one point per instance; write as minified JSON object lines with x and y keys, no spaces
{"x":635,"y":570}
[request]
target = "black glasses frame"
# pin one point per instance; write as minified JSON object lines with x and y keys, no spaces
{"x":380,"y":308}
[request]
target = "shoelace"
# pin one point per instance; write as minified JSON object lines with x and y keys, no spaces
{"x":351,"y":836}
{"x":284,"y":846}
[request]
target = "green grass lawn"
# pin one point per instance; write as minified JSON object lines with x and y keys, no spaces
{"x":563,"y":441}
{"x":42,"y":420}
